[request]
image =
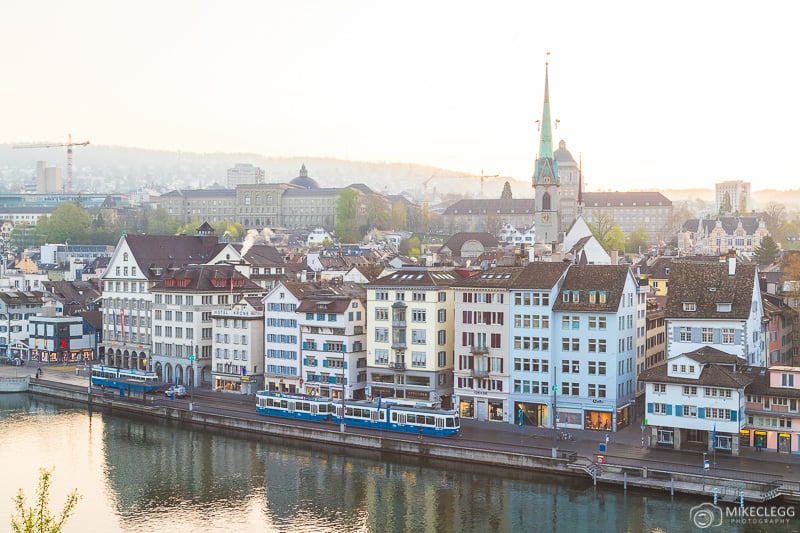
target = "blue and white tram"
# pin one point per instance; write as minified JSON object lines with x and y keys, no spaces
{"x":128,"y":379}
{"x":402,"y":419}
{"x":301,"y":406}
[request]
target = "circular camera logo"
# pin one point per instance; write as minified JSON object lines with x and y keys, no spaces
{"x":706,"y":515}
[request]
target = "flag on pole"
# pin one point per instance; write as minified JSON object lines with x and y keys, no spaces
{"x":231,"y":283}
{"x":114,"y":315}
{"x":714,"y":437}
{"x":520,"y":415}
{"x":122,"y":321}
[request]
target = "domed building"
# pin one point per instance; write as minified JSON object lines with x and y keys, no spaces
{"x":303,"y":181}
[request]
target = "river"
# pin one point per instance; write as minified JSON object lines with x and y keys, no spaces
{"x":142,"y":475}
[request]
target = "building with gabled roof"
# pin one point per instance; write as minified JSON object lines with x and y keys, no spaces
{"x":718,"y":305}
{"x":482,"y":367}
{"x":332,"y":322}
{"x":772,"y":417}
{"x":469,"y":244}
{"x":138,"y":263}
{"x":596,"y":321}
{"x":183,"y":303}
{"x":722,"y":233}
{"x":409,"y":339}
{"x":696,"y":401}
{"x":237,"y":354}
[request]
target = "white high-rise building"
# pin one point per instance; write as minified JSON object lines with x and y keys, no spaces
{"x":244,"y":174}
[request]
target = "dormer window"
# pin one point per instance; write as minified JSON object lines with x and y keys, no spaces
{"x":576,"y":296}
{"x":724,"y":308}
{"x":690,"y":306}
{"x":603,"y":296}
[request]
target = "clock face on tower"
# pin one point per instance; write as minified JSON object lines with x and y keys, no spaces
{"x":545,"y":217}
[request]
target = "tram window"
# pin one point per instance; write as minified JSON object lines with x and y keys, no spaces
{"x":429,"y":420}
{"x":394,"y":417}
{"x":449,"y":422}
{"x":284,"y":404}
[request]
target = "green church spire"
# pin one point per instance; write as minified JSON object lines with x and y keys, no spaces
{"x":546,"y":167}
{"x":546,"y":139}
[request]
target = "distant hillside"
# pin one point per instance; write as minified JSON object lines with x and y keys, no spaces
{"x":119,"y":169}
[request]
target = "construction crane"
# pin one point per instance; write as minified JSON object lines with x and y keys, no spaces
{"x":69,"y":144}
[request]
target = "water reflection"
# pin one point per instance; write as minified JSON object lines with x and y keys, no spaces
{"x":138,"y":474}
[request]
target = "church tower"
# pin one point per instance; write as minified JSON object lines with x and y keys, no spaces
{"x":545,"y":178}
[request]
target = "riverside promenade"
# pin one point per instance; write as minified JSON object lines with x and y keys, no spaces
{"x":754,"y":476}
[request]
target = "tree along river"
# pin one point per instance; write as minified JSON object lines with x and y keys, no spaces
{"x":147,"y":475}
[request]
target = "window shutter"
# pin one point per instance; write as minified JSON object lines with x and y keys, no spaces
{"x":669,"y":409}
{"x":734,"y":415}
{"x":701,"y":412}
{"x":678,"y":410}
{"x":649,"y":407}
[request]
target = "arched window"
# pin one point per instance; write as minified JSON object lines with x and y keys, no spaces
{"x":546,"y":201}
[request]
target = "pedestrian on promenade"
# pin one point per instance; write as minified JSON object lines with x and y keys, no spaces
{"x":419,"y":436}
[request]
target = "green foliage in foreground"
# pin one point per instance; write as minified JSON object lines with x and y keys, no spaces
{"x":39,"y":518}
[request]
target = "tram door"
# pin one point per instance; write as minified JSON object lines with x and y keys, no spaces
{"x":314,"y":408}
{"x":439,"y":422}
{"x":401,"y":419}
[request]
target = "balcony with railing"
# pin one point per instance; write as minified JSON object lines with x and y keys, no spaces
{"x":479,"y":349}
{"x":398,"y":365}
{"x":479,"y":372}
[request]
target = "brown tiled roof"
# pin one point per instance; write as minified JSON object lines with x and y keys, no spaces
{"x":712,"y":375}
{"x":709,"y":354}
{"x":93,"y":318}
{"x":21,"y":297}
{"x":205,"y":278}
{"x":625,"y":198}
{"x":255,"y":302}
{"x":586,"y":278}
{"x":540,"y":275}
{"x":760,"y":385}
{"x":493,"y":278}
{"x":707,"y":284}
{"x":455,"y":242}
{"x":490,"y":206}
{"x":263,"y":255}
{"x":169,"y":251}
{"x":417,"y":278}
{"x":328,"y":305}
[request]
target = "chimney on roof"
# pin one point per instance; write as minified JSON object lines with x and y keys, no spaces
{"x":614,"y":257}
{"x":732,"y":263}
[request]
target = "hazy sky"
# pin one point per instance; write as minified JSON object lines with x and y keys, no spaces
{"x":667,"y":94}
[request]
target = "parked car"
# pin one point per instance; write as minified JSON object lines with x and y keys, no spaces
{"x":178,"y":391}
{"x":7,"y":360}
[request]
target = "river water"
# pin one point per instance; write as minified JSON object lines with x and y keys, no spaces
{"x":143,"y":475}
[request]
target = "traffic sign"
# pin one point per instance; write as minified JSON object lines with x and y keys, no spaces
{"x":602,"y":448}
{"x":192,"y":358}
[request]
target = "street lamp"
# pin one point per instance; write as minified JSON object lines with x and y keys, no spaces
{"x":555,"y":421}
{"x":341,"y":423}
